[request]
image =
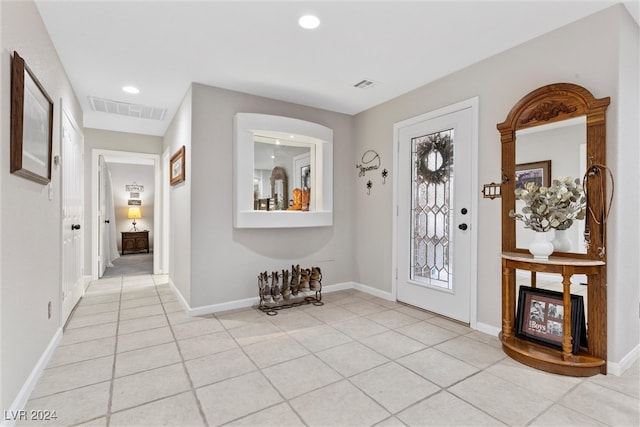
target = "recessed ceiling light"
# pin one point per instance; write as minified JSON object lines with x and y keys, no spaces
{"x":131,"y":89}
{"x":309,"y":22}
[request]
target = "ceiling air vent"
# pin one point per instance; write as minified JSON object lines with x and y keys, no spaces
{"x":125,"y":109}
{"x":365,"y":84}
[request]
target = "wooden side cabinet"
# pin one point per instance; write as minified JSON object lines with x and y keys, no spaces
{"x":135,"y":241}
{"x":590,"y":361}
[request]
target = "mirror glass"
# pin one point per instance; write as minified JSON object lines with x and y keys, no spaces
{"x":291,"y":156}
{"x":556,"y":150}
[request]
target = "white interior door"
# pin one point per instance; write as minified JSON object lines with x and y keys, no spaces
{"x":435,"y":211}
{"x":72,"y":214}
{"x":103,"y":220}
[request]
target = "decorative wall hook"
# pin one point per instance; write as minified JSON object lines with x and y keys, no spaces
{"x":369,"y":185}
{"x":505,"y":177}
{"x":384,"y":175}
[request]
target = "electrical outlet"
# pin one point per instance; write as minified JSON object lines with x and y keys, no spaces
{"x":49,"y":310}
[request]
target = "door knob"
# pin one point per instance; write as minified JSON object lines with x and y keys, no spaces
{"x":106,"y":221}
{"x":75,"y":226}
{"x":463,"y":226}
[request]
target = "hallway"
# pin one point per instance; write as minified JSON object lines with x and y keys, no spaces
{"x":131,"y":264}
{"x":131,"y":357}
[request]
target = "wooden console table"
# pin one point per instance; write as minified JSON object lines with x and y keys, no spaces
{"x":135,"y":241}
{"x":588,"y":362}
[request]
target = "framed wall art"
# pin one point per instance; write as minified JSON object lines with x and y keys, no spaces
{"x":31,"y":124}
{"x":177,"y":167}
{"x":540,"y":318}
{"x":538,"y":172}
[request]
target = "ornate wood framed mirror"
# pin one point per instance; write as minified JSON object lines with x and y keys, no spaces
{"x":563,"y":126}
{"x":556,"y":131}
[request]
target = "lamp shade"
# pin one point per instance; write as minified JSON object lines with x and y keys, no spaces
{"x":134,"y":213}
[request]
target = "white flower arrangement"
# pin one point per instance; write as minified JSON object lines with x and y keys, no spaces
{"x":555,"y":207}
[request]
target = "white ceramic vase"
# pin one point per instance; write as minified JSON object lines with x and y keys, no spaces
{"x":541,"y":247}
{"x":561,"y":242}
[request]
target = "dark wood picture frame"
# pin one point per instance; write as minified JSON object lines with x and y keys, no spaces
{"x":177,"y":167}
{"x":540,"y":318}
{"x":31,"y":124}
{"x":538,"y":172}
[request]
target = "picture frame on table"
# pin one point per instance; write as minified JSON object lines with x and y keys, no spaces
{"x":177,"y":167}
{"x":540,"y":318}
{"x":538,"y":172}
{"x":31,"y":124}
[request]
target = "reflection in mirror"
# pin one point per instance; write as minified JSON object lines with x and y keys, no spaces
{"x":281,"y":161}
{"x":563,"y":143}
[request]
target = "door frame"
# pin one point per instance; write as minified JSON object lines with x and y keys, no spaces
{"x":472,"y":103}
{"x":158,"y":247}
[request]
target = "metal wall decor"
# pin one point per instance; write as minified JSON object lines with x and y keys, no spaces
{"x":491,"y":190}
{"x":370,"y":161}
{"x":134,"y":187}
{"x":434,"y":158}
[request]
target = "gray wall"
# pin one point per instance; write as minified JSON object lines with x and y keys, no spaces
{"x":225,"y":261}
{"x":30,"y":247}
{"x":177,"y":135}
{"x":600,"y":53}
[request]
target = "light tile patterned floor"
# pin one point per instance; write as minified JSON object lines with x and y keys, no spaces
{"x":131,"y":357}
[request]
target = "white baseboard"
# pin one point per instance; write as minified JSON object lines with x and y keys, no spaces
{"x":225,"y":306}
{"x":27,"y":388}
{"x":487,"y":329}
{"x":176,"y":292}
{"x":627,"y":361}
{"x":373,"y":291}
{"x":248,"y":302}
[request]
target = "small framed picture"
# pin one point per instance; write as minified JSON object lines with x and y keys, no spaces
{"x":538,"y":172}
{"x":134,"y":202}
{"x":540,"y":318}
{"x":31,"y":124}
{"x":177,"y":167}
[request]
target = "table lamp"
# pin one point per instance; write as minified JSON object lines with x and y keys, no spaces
{"x":134,"y":213}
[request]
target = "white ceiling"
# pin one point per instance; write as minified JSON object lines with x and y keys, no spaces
{"x":258,"y":48}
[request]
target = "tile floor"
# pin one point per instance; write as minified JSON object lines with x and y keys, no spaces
{"x":131,"y":357}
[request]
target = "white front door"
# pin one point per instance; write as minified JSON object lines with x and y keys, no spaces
{"x":72,"y":214}
{"x":436,"y":206}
